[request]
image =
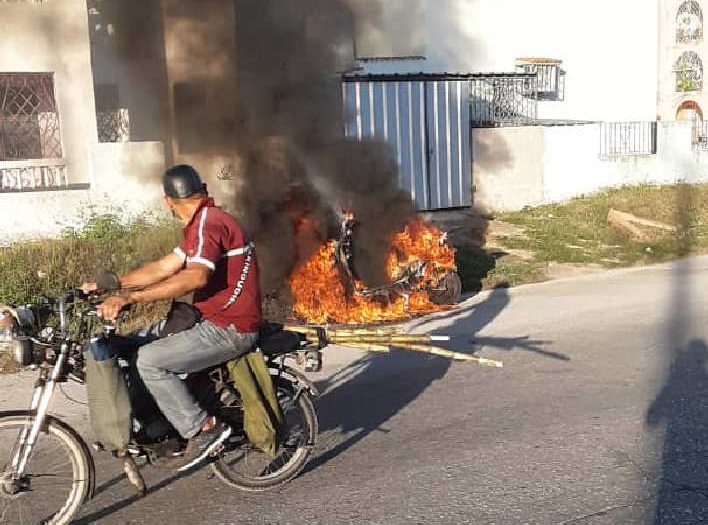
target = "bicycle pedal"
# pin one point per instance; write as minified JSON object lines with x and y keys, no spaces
{"x":217,"y":450}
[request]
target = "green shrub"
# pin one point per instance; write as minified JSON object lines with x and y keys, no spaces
{"x":473,"y":266}
{"x":48,"y":267}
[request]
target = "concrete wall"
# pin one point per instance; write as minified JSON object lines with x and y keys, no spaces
{"x":126,"y":182}
{"x":128,"y":174}
{"x":540,"y":165}
{"x":507,"y":167}
{"x":605,"y":80}
{"x":204,"y":60}
{"x":127,"y":52}
{"x":53,"y":37}
{"x":46,"y":213}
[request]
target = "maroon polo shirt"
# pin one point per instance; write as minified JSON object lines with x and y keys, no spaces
{"x":215,"y":239}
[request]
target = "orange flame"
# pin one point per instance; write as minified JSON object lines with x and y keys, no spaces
{"x":319,"y":294}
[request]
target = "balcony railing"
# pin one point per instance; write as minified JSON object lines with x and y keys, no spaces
{"x":700,"y":136}
{"x":627,"y":138}
{"x":551,"y":77}
{"x":33,"y":175}
{"x":503,"y":99}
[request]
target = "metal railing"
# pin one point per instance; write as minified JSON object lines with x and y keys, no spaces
{"x":700,"y":135}
{"x":551,"y":80}
{"x":504,"y":99}
{"x":33,"y":177}
{"x":627,"y":138}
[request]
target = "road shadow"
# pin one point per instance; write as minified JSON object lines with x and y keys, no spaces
{"x":363,"y":396}
{"x":104,"y":512}
{"x":681,"y":405}
{"x":464,"y":325}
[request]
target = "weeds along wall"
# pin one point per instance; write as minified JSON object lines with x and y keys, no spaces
{"x":49,"y":267}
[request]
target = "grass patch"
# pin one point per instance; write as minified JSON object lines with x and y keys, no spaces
{"x":574,"y":232}
{"x":30,"y":270}
{"x":578,"y":232}
{"x":513,"y":271}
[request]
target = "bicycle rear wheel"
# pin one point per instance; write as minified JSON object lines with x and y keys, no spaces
{"x":59,"y":476}
{"x":245,"y":467}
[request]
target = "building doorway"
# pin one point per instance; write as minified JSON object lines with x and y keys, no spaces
{"x":689,"y":111}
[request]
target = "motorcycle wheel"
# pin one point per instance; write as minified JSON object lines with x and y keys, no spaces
{"x":448,"y":290}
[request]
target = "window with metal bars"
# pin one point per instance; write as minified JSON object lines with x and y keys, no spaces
{"x":689,"y":23}
{"x":29,"y":121}
{"x":627,"y":138}
{"x":503,"y":99}
{"x":689,"y":72}
{"x":550,"y":74}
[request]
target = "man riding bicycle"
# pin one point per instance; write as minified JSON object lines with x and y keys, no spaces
{"x":217,"y":262}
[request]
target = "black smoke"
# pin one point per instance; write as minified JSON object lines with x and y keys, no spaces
{"x":274,"y":107}
{"x":297,"y":162}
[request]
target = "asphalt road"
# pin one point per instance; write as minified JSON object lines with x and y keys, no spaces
{"x":598,"y":417}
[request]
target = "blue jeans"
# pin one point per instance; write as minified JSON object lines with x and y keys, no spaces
{"x":161,"y":361}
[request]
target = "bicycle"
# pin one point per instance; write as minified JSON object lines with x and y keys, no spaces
{"x":42,"y":455}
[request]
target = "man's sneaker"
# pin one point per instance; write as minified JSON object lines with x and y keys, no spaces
{"x":205,"y":443}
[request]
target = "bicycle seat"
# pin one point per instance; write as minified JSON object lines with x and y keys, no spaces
{"x":278,"y":343}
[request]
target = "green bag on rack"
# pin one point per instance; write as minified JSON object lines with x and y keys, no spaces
{"x":262,"y":414}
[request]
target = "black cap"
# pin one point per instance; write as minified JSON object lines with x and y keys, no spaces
{"x":181,"y":182}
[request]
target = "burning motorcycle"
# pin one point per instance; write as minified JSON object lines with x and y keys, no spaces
{"x":410,"y":272}
{"x":421,"y":270}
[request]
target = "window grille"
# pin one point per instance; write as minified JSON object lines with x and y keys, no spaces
{"x":689,"y":72}
{"x":29,"y":122}
{"x":627,"y":138}
{"x":551,"y":77}
{"x":700,"y":135}
{"x":113,"y":125}
{"x":503,"y":99}
{"x":689,"y":23}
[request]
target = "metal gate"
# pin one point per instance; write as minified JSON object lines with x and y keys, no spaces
{"x":426,"y":121}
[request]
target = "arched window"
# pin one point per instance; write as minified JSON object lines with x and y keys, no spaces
{"x":689,"y":22}
{"x":689,"y":111}
{"x":689,"y":72}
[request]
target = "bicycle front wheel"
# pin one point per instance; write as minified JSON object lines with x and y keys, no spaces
{"x":58,"y":478}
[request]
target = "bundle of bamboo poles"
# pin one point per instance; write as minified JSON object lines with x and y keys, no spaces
{"x":383,"y":338}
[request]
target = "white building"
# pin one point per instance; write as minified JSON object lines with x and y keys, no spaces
{"x":81,"y":124}
{"x":52,"y":164}
{"x":609,"y":48}
{"x":633,"y":71}
{"x":89,"y":104}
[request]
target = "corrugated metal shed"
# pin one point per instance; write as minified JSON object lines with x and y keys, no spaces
{"x":426,"y":121}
